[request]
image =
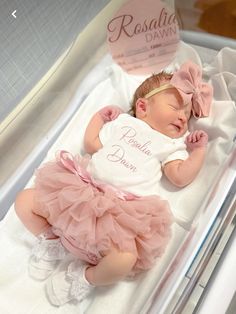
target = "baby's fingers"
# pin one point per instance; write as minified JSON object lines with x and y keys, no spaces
{"x":115,"y":113}
{"x":191,"y":138}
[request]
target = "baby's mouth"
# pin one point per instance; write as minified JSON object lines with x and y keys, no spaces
{"x":177,"y":127}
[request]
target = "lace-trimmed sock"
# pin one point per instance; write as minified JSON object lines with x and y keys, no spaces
{"x":45,"y":256}
{"x":68,"y":285}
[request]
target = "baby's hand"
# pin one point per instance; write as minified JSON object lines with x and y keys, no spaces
{"x":110,"y":113}
{"x":196,"y":139}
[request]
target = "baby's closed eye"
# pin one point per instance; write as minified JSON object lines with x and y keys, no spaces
{"x":174,"y":107}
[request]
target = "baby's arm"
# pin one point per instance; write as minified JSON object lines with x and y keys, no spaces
{"x":92,"y":142}
{"x":183,"y":172}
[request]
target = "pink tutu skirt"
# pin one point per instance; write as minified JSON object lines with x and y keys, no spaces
{"x":91,"y":220}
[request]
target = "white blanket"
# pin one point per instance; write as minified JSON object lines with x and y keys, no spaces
{"x":19,"y":294}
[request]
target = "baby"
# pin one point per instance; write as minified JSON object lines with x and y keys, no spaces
{"x":106,"y":209}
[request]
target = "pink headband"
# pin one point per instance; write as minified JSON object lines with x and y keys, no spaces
{"x":188,"y":81}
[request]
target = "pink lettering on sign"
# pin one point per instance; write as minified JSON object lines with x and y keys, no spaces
{"x":124,"y":25}
{"x":143,"y":36}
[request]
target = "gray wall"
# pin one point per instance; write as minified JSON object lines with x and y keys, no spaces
{"x":32,"y":42}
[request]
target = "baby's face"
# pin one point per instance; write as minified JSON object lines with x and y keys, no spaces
{"x":166,"y":113}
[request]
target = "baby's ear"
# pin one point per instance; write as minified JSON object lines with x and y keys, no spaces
{"x":141,"y":107}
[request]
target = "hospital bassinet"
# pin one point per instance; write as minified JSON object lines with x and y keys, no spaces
{"x":202,"y":229}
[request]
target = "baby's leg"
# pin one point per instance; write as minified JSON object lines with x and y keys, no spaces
{"x":26,"y":209}
{"x":78,"y":281}
{"x":113,"y":267}
{"x":48,"y":250}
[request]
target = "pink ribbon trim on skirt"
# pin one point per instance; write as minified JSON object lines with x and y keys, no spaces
{"x":77,"y":165}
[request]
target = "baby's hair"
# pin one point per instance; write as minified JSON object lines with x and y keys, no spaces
{"x":154,"y":81}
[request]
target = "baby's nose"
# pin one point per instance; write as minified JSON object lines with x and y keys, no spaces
{"x":182,"y":116}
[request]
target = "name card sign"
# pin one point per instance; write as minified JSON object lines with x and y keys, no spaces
{"x":143,"y":36}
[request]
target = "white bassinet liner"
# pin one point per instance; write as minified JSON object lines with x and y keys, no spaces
{"x":127,"y":296}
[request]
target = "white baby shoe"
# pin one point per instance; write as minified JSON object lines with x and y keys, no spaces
{"x":67,"y":285}
{"x":45,"y":256}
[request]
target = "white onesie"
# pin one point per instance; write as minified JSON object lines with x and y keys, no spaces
{"x":133,"y":154}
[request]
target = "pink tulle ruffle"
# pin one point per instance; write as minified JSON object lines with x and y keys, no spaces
{"x":90,"y":221}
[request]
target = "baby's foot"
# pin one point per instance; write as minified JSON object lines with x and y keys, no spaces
{"x":45,"y":256}
{"x":70,"y":284}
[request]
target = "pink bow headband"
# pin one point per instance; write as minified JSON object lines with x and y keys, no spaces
{"x":188,"y":81}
